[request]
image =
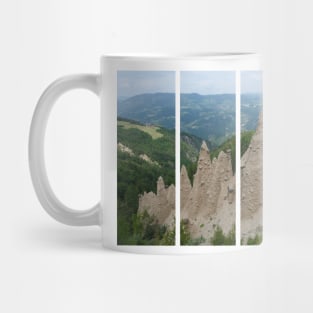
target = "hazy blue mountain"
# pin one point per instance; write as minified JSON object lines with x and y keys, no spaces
{"x":209,"y":117}
{"x":251,"y":104}
{"x":154,"y":108}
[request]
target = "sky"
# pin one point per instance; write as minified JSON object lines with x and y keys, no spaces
{"x":131,"y":83}
{"x":207,"y":82}
{"x":251,"y":82}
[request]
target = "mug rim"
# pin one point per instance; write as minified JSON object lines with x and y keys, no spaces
{"x":200,"y":55}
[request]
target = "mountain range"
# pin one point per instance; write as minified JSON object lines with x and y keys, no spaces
{"x":209,"y":117}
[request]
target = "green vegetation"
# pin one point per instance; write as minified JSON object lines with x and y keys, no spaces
{"x":229,"y":144}
{"x":137,"y":172}
{"x":153,"y":131}
{"x":245,"y":140}
{"x":135,"y":176}
{"x":191,"y":170}
{"x":190,"y":146}
{"x":189,"y":152}
{"x":211,"y":117}
{"x":220,"y":239}
{"x":152,"y":108}
{"x":145,"y":231}
{"x":168,"y":238}
{"x":185,"y":236}
{"x":257,"y":240}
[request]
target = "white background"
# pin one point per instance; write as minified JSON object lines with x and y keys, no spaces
{"x":49,"y":267}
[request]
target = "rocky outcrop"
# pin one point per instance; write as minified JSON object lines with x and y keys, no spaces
{"x":125,"y":149}
{"x":210,"y":201}
{"x":251,"y":186}
{"x":129,"y":151}
{"x":185,"y":185}
{"x":160,"y":205}
{"x":147,"y":159}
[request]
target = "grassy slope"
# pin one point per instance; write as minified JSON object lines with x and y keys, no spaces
{"x":153,"y":131}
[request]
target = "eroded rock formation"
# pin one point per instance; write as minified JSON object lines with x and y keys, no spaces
{"x":210,"y":202}
{"x":211,"y":199}
{"x":161,"y":205}
{"x":129,"y":151}
{"x":251,"y":186}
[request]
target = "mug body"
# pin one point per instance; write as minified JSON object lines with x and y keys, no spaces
{"x":181,"y":142}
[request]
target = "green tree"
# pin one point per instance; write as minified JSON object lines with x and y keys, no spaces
{"x":220,"y":239}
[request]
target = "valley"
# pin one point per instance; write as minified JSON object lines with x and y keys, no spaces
{"x":209,"y":117}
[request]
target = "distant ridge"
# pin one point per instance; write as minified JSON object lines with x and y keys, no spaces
{"x":209,"y":117}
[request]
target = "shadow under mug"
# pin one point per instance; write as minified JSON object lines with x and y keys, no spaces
{"x":184,"y":171}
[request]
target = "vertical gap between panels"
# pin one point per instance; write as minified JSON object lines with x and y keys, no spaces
{"x":177,"y":158}
{"x":238,"y":144}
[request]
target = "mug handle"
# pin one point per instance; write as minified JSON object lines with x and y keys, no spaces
{"x":38,"y":172}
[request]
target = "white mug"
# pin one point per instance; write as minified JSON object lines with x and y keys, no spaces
{"x":181,"y":152}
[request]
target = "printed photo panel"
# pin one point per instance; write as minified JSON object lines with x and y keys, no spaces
{"x":208,"y":142}
{"x":146,"y":157}
{"x":251,"y":158}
